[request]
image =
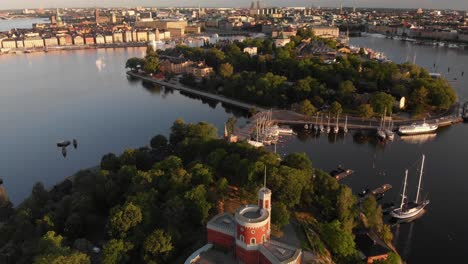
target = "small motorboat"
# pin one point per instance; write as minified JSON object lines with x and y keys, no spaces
{"x":75,"y":143}
{"x":364,"y":192}
{"x":63,"y":143}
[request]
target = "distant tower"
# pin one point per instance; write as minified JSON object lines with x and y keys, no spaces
{"x":252,"y":6}
{"x":58,"y":18}
{"x":114,"y":18}
{"x":158,"y":37}
{"x":96,"y":16}
{"x":341,"y":8}
{"x":259,"y":4}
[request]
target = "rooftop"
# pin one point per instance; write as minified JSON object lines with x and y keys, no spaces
{"x":251,"y":214}
{"x":223,"y":222}
{"x":280,"y":251}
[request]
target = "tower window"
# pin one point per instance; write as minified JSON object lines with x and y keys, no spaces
{"x":241,"y":238}
{"x":263,"y":239}
{"x":253,"y":231}
{"x":252,"y":241}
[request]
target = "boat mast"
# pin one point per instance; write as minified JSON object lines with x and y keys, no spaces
{"x":403,"y":195}
{"x":420,"y":178}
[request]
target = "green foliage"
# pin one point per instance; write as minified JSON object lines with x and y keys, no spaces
{"x":298,"y":161}
{"x":157,"y":245}
{"x":226,"y":70}
{"x":337,"y":239}
{"x":382,"y":101}
{"x":336,"y":108}
{"x":151,"y":65}
{"x":134,"y":63}
{"x":158,"y":141}
{"x":231,"y":124}
{"x":123,"y":218}
{"x":110,"y":162}
{"x":366,"y":111}
{"x":305,"y":107}
{"x":392,"y":258}
{"x":197,"y":204}
{"x":201,"y":174}
{"x":115,"y":251}
{"x":279,"y":214}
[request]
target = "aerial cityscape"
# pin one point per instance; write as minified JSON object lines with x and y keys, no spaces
{"x":254,"y":132}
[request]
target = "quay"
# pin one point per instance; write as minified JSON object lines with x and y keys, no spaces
{"x":181,"y":87}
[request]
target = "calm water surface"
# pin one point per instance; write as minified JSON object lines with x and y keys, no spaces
{"x":6,"y":25}
{"x":86,"y":95}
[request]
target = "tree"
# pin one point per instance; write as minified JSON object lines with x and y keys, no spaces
{"x":110,"y":162}
{"x":222,"y":187}
{"x":298,"y":161}
{"x":150,"y":52}
{"x":366,"y":111}
{"x":201,"y":174}
{"x":197,"y":204}
{"x":346,"y":91}
{"x":123,"y":218}
{"x":114,"y":251}
{"x":305,"y":107}
{"x":346,"y":210}
{"x":279,"y":215}
{"x":72,"y":258}
{"x":151,"y":65}
{"x":158,"y":141}
{"x":134,"y":63}
{"x":225,"y":70}
{"x":382,"y":101}
{"x":338,"y":240}
{"x":231,"y":125}
{"x":336,"y":108}
{"x":157,"y":246}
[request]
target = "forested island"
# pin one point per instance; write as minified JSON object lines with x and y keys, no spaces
{"x":150,"y":205}
{"x":287,"y":77}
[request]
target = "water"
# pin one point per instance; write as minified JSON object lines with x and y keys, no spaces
{"x":440,"y":235}
{"x":6,"y":25}
{"x":86,"y":95}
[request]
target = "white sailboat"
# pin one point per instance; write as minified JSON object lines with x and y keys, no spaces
{"x":328,"y":126}
{"x":345,"y":128}
{"x":316,"y":126}
{"x":337,"y":128}
{"x":321,"y":124}
{"x":380,"y":131}
{"x":407,"y":208}
{"x":389,"y":130}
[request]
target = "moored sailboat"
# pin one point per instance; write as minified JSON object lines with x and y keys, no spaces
{"x":408,"y":209}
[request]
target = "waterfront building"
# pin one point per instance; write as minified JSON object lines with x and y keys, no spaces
{"x":109,"y":38}
{"x":19,"y":43}
{"x":326,"y":32}
{"x":247,"y":235}
{"x":33,"y":42}
{"x":9,"y":44}
{"x":176,"y":32}
{"x":200,"y":70}
{"x":118,"y":37}
{"x":252,"y":51}
{"x":51,"y":41}
{"x":78,"y":40}
{"x":89,"y":40}
{"x":142,"y":36}
{"x":151,"y":36}
{"x":193,"y":29}
{"x":100,"y":39}
{"x":127,"y":35}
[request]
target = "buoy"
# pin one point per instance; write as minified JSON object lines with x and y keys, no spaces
{"x":75,"y":143}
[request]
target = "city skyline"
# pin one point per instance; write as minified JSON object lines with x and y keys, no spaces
{"x":430,"y":4}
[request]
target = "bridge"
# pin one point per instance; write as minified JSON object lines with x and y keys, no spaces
{"x":11,"y":17}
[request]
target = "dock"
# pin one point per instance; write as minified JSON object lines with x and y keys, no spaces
{"x":381,"y":190}
{"x":341,"y":173}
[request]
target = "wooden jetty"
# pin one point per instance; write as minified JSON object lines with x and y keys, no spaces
{"x":382,"y":189}
{"x":340,"y":173}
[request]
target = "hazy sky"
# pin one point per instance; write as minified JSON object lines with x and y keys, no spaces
{"x":436,"y":4}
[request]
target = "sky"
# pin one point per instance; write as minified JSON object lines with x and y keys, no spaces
{"x":433,"y":4}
